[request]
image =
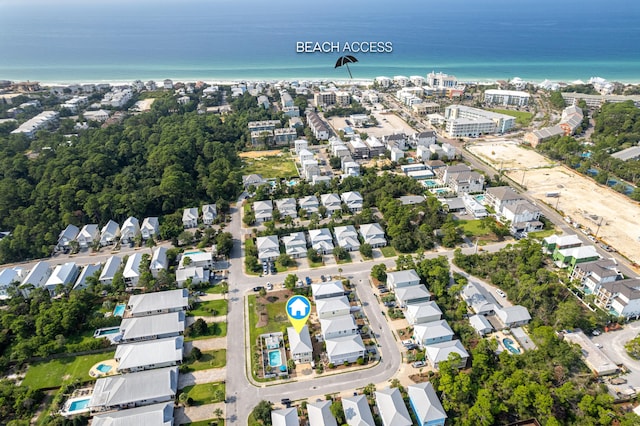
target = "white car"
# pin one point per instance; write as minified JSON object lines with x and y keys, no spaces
{"x":501,"y":293}
{"x":269,"y":286}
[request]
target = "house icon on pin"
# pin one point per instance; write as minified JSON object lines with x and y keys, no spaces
{"x":297,"y":308}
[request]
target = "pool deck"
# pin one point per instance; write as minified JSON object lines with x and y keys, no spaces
{"x":500,"y":335}
{"x":94,"y":372}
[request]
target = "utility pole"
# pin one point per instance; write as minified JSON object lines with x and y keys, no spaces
{"x":557,"y":202}
{"x":598,"y":230}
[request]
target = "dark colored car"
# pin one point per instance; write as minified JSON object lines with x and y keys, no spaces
{"x":258,"y":288}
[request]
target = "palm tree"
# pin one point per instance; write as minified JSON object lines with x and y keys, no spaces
{"x":218,"y":413}
{"x":340,"y":272}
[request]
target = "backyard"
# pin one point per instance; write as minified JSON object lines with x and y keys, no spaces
{"x":209,"y":359}
{"x":209,"y":308}
{"x":268,"y":164}
{"x":205,"y":393}
{"x":53,"y":373}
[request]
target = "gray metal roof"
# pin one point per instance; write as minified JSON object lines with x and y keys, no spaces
{"x":150,"y":415}
{"x":299,"y":342}
{"x":392,"y":409}
{"x":154,"y":325}
{"x":142,"y":304}
{"x":320,"y":414}
{"x":150,"y":352}
{"x":425,"y":403}
{"x":357,"y":411}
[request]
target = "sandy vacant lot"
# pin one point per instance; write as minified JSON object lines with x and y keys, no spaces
{"x":393,"y":124}
{"x":581,"y":198}
{"x":259,"y":154}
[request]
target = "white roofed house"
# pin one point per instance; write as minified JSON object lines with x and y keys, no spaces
{"x":190,"y":218}
{"x":37,"y":277}
{"x":480,"y":324}
{"x":340,"y":326}
{"x":327,"y":290}
{"x":391,"y":407}
{"x":197,"y":274}
{"x":373,"y":234}
{"x":295,"y":244}
{"x":131,"y":273}
{"x":88,"y":271}
{"x":357,"y":411}
{"x":305,"y":155}
{"x":67,"y":235}
{"x":425,"y":404}
{"x":346,"y":237}
{"x":321,"y":240}
{"x":412,"y":294}
{"x":64,"y":275}
{"x":320,"y":414}
{"x":422,"y":312}
{"x":109,"y":271}
{"x":209,"y":213}
{"x":150,"y":228}
{"x":285,"y":417}
{"x":438,"y":352}
{"x":331,"y":202}
{"x":432,"y":332}
{"x":345,"y":349}
{"x":156,"y":414}
{"x":150,"y":327}
{"x":203,"y":259}
{"x":523,"y":216}
{"x":8,"y":277}
{"x":333,"y":307}
{"x":134,"y":389}
{"x":158,"y":261}
{"x":476,"y":299}
{"x":129,"y":230}
{"x":402,"y":278}
{"x":287,"y":208}
{"x":309,"y":204}
{"x":353,"y":200}
{"x":109,"y":233}
{"x":88,"y":235}
{"x":268,"y":247}
{"x":149,"y":354}
{"x":263,"y":210}
{"x":513,"y":316}
{"x":300,"y":345}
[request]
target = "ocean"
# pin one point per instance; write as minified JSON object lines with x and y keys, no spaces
{"x":214,"y":40}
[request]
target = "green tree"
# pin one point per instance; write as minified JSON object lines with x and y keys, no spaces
{"x":366,"y":250}
{"x":290,"y":281}
{"x":262,"y":412}
{"x":379,"y":272}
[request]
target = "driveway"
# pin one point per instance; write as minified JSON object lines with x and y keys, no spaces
{"x":613,"y":346}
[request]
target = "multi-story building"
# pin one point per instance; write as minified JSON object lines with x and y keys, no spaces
{"x":40,"y":121}
{"x":325,"y":98}
{"x":441,"y":80}
{"x":319,"y":128}
{"x":506,"y":97}
{"x":463,"y":121}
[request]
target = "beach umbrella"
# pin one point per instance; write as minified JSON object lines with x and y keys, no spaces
{"x":346,"y":60}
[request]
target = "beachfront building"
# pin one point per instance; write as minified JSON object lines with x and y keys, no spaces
{"x":464,"y":121}
{"x":440,"y":80}
{"x":506,"y":97}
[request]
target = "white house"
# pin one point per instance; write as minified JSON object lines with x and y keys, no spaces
{"x":333,"y":307}
{"x":197,"y":274}
{"x":300,"y":345}
{"x":475,"y":298}
{"x":438,"y":352}
{"x":285,"y":417}
{"x":513,"y":316}
{"x":373,"y":234}
{"x":309,"y":204}
{"x":129,"y":230}
{"x":88,"y":271}
{"x":412,"y":294}
{"x":305,"y":155}
{"x":190,"y":218}
{"x":347,"y":237}
{"x":295,"y":244}
{"x":87,"y":235}
{"x":109,"y":271}
{"x":203,"y":259}
{"x":320,"y":414}
{"x":331,"y":202}
{"x":67,"y":235}
{"x":333,"y":327}
{"x":10,"y":276}
{"x":287,"y":207}
{"x":345,"y":349}
{"x":149,"y":354}
{"x":402,"y":278}
{"x":523,"y":216}
{"x":327,"y":290}
{"x":425,"y":405}
{"x":263,"y":210}
{"x":299,"y":145}
{"x":155,"y":414}
{"x":500,"y":196}
{"x":37,"y":277}
{"x":353,"y":200}
{"x":268,"y":247}
{"x":64,"y":275}
{"x":432,"y":332}
{"x":137,"y":329}
{"x":209,"y":213}
{"x":158,"y":261}
{"x":391,"y":407}
{"x":480,"y":324}
{"x":357,"y":411}
{"x":131,"y":273}
{"x":422,"y":312}
{"x":321,"y":240}
{"x":109,"y":233}
{"x":150,"y":228}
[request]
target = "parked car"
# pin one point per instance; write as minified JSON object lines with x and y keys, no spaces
{"x":596,"y":332}
{"x":269,"y":286}
{"x":501,"y":293}
{"x":258,"y":288}
{"x":418,"y":364}
{"x":408,"y":342}
{"x":411,"y":347}
{"x":322,"y":278}
{"x":307,"y":280}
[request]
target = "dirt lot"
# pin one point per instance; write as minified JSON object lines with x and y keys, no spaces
{"x":259,"y":154}
{"x":389,"y":124}
{"x":581,"y":198}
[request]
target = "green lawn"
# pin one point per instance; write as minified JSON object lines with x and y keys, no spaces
{"x":277,"y":318}
{"x":51,"y":374}
{"x":216,"y":289}
{"x":216,"y":329}
{"x":209,"y":359}
{"x":206,"y":393}
{"x":343,"y":261}
{"x":542,"y":234}
{"x":523,"y":118}
{"x":274,"y":166}
{"x":315,"y":264}
{"x":388,"y":251}
{"x":206,"y":423}
{"x":473,"y":228}
{"x":205,"y":309}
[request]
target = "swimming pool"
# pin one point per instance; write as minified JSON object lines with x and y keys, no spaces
{"x":275,"y":358}
{"x":103,"y":368}
{"x":509,"y":344}
{"x":119,"y":310}
{"x":430,"y":183}
{"x":479,"y":198}
{"x":78,"y":405}
{"x":187,"y":253}
{"x":101,"y":332}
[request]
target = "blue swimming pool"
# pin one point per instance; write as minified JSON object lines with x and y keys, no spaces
{"x":79,"y":404}
{"x":187,"y":253}
{"x":101,"y":332}
{"x":479,"y":198}
{"x":430,"y":183}
{"x":119,"y":310}
{"x":103,"y":368}
{"x":509,"y":344}
{"x":275,"y":358}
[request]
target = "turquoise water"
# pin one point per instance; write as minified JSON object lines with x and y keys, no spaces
{"x":275,"y":358}
{"x":509,"y":344}
{"x":107,"y":331}
{"x":103,"y":368}
{"x":430,"y":183}
{"x":120,"y":40}
{"x":187,"y":253}
{"x":79,"y":404}
{"x":440,"y":191}
{"x":119,"y":310}
{"x":479,"y":198}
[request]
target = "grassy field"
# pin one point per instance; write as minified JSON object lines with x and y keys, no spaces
{"x":277,"y":318}
{"x":216,"y":329}
{"x":473,"y":228}
{"x":542,"y":234}
{"x":523,"y":118}
{"x":209,"y":359}
{"x":216,"y":289}
{"x":388,"y":251}
{"x":206,"y":393}
{"x":273,"y":166}
{"x":206,"y":423}
{"x":343,"y":261}
{"x":205,"y":309}
{"x":51,"y":374}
